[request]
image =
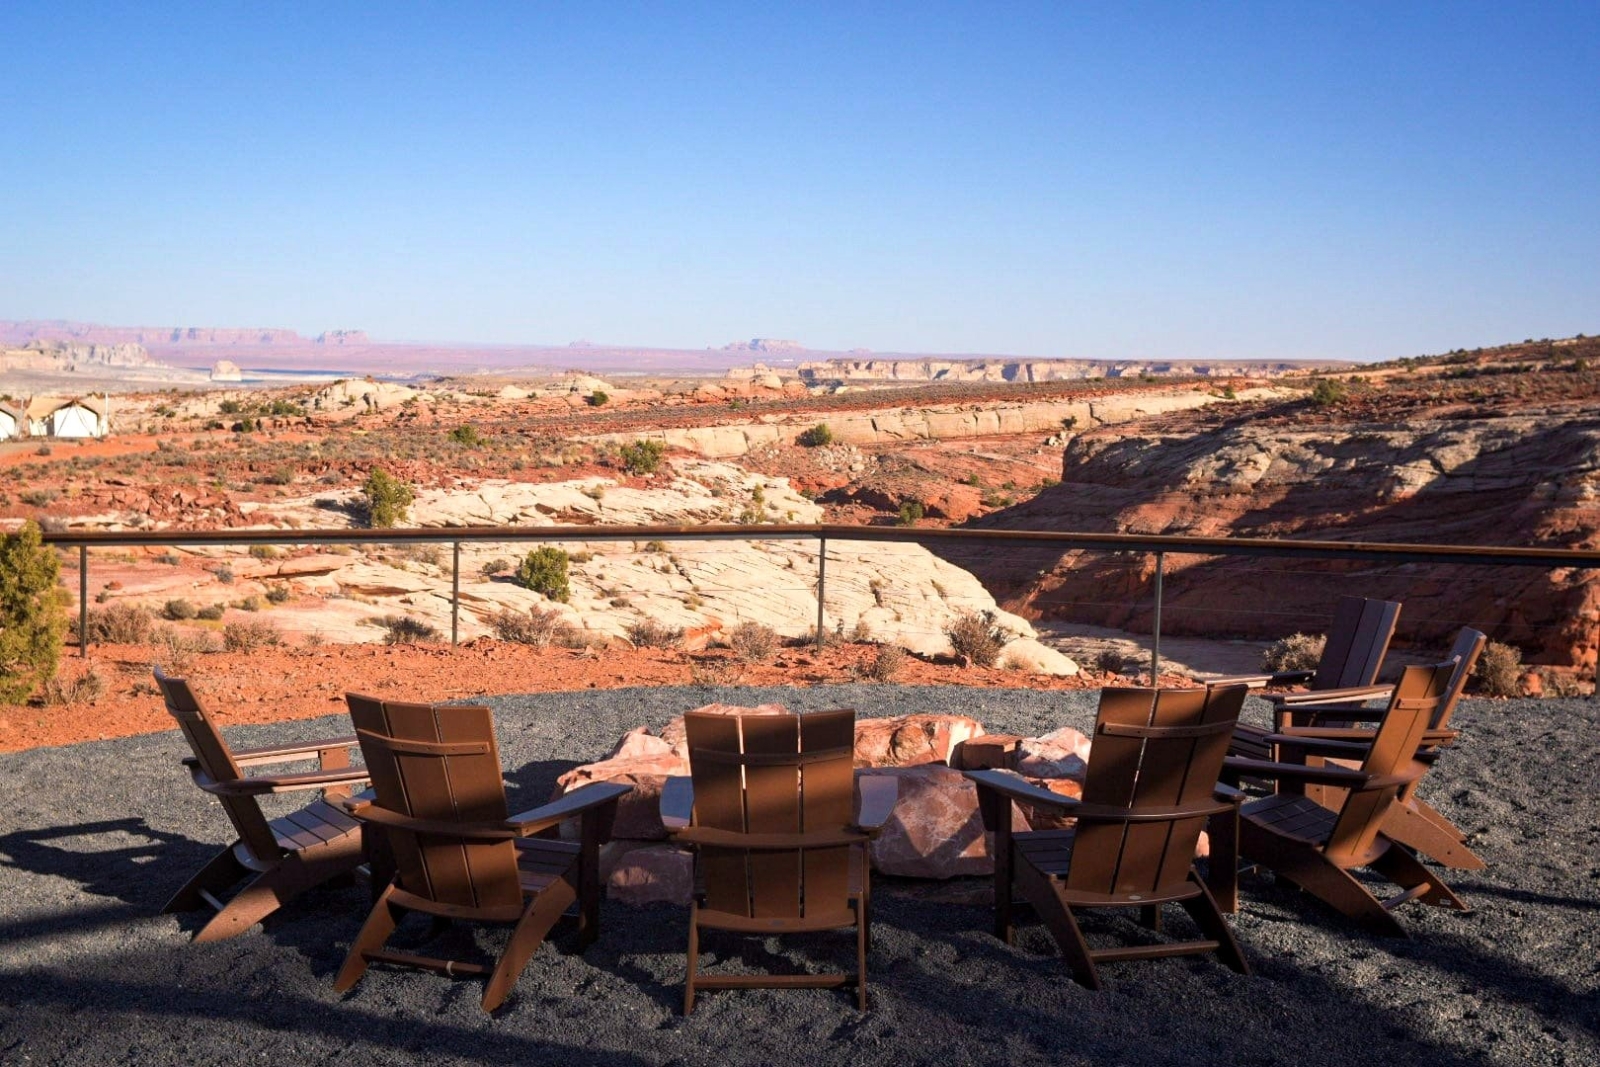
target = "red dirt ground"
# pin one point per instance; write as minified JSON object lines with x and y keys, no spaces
{"x":277,"y":685}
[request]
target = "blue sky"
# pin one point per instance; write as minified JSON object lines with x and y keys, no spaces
{"x":1114,"y":180}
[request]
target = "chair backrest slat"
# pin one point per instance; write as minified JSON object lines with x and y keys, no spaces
{"x":1357,"y":641}
{"x":1416,"y":699}
{"x":441,"y":763}
{"x":1468,"y":646}
{"x":1152,"y":749}
{"x":216,"y":761}
{"x":761,"y":774}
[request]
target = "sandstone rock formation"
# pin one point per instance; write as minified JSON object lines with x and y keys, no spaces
{"x":1042,"y":370}
{"x":1526,"y":478}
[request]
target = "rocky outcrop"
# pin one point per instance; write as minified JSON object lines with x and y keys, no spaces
{"x":1512,"y":479}
{"x":947,"y":422}
{"x":1043,"y":370}
{"x":225,"y":370}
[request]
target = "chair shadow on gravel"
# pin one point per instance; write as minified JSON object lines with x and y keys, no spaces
{"x":534,"y":783}
{"x":129,"y":871}
{"x":223,"y":1012}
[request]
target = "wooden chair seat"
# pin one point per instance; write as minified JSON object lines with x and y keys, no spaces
{"x":779,"y":848}
{"x":1316,"y":846}
{"x":315,"y":824}
{"x":439,"y":801}
{"x":1149,"y":790}
{"x":272,"y":861}
{"x":1293,"y":816}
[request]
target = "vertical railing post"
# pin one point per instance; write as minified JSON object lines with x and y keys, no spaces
{"x":822,"y":584}
{"x":455,"y":592}
{"x":1155,"y":629}
{"x":83,"y":601}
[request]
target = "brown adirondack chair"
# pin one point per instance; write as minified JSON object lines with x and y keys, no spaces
{"x":768,"y":809}
{"x":1411,"y":821}
{"x":1315,"y":847}
{"x":1357,"y":640}
{"x":441,"y":805}
{"x":281,"y":858}
{"x":1150,"y":790}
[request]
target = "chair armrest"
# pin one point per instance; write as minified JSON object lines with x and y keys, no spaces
{"x":580,"y":800}
{"x":1341,"y":776}
{"x":1230,"y":793}
{"x":1017,"y":788}
{"x":1313,"y":697}
{"x":250,"y":757}
{"x":677,"y":802}
{"x":1320,"y":746}
{"x":878,"y":795}
{"x":282,"y":783}
{"x":1258,"y":681}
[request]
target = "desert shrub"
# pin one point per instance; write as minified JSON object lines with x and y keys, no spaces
{"x":753,"y":642}
{"x":250,"y":635}
{"x":264,"y":552}
{"x":885,"y":663}
{"x":495,"y":566}
{"x":432,"y":555}
{"x":32,"y":613}
{"x":1499,"y":670}
{"x":37,"y":498}
{"x":641,"y":457}
{"x":1110,"y":661}
{"x":1328,"y":391}
{"x":467,"y":435}
{"x":83,"y":689}
{"x":211,"y":612}
{"x":597,"y":398}
{"x":1297,"y":652}
{"x":223,"y":574}
{"x":118,"y":624}
{"x":249,"y":603}
{"x":539,"y":627}
{"x":545,"y":572}
{"x":278,"y":594}
{"x":171,"y":559}
{"x":975,"y":637}
{"x":178,"y":609}
{"x":176,"y":649}
{"x":648,"y":633}
{"x":279,"y":476}
{"x":910,"y":512}
{"x":815,"y":437}
{"x":407,"y":630}
{"x":387,"y":498}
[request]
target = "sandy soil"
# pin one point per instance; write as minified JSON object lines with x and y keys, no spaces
{"x":291,"y":683}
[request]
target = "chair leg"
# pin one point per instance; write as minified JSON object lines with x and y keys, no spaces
{"x":1407,"y":872}
{"x":694,"y":958}
{"x":1040,"y":891}
{"x":861,"y":958}
{"x":220,"y":872}
{"x":1443,"y":844}
{"x":274,"y":888}
{"x":374,"y":932}
{"x":1339,"y":890}
{"x":542,"y":913}
{"x":1207,"y":915}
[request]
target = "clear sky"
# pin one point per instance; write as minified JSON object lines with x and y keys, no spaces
{"x":1282,"y":179}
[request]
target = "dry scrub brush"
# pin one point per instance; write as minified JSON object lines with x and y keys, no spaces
{"x":753,"y":642}
{"x":977,"y":641}
{"x":1297,"y":652}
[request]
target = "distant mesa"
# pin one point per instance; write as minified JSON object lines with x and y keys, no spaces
{"x":764,"y":344}
{"x":225,"y":370}
{"x":582,"y":344}
{"x":343,"y":337}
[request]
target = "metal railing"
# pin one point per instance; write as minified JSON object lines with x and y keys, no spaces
{"x":1150,"y":544}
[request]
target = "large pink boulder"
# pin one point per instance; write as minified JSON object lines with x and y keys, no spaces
{"x":638,"y":812}
{"x":639,"y":741}
{"x":935,"y":831}
{"x":912,"y":740}
{"x":1062,"y":753}
{"x":637,"y":872}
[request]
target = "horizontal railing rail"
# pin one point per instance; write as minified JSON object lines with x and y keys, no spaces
{"x":1159,"y":545}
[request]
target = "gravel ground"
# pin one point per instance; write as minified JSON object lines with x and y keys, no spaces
{"x":94,"y":837}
